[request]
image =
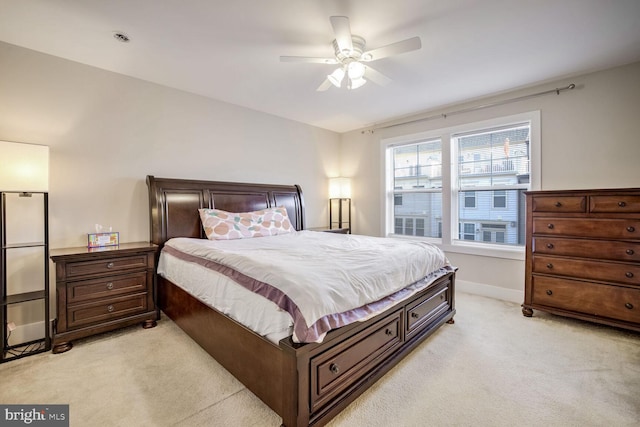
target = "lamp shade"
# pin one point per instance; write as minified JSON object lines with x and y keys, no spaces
{"x":339,"y":188}
{"x":24,"y":167}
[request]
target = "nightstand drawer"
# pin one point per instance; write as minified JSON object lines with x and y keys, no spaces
{"x":104,"y":310}
{"x":106,"y":288}
{"x":107,"y":265}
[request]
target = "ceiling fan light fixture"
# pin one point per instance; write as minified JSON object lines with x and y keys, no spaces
{"x":356,"y":70}
{"x":336,"y":77}
{"x":356,"y":83}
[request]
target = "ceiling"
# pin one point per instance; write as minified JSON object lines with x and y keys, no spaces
{"x":229,"y":50}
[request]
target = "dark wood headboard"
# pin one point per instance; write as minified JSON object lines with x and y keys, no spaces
{"x":174,"y":203}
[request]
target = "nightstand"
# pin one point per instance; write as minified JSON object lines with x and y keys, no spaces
{"x":331,"y":230}
{"x":102,"y":289}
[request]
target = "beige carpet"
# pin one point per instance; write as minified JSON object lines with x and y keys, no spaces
{"x":493,"y":367}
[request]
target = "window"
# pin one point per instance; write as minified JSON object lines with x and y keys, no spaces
{"x":499,"y":199}
{"x":417,"y":188}
{"x":464,"y":185}
{"x":470,"y":199}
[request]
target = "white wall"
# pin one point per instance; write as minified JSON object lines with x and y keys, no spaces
{"x":590,"y":139}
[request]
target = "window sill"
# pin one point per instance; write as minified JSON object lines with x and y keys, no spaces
{"x":486,"y":250}
{"x":478,"y":249}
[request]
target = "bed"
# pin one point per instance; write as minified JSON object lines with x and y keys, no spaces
{"x":306,"y":384}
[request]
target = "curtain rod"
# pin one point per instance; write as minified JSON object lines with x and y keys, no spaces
{"x":478,"y":107}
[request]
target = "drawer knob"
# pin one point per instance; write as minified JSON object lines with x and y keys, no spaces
{"x":549,"y":292}
{"x":110,"y":285}
{"x":622,"y":204}
{"x":414,"y":315}
{"x":629,"y":274}
{"x":558,"y":204}
{"x":334,"y":368}
{"x":549,"y":245}
{"x":388,"y":332}
{"x":629,"y":306}
{"x":110,"y":308}
{"x":549,"y":266}
{"x":629,"y":251}
{"x":550,"y":226}
{"x":631,"y":229}
{"x":110,"y":265}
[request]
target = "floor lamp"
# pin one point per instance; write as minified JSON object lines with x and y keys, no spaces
{"x":340,"y":203}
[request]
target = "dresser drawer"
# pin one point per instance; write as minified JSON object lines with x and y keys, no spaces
{"x":105,"y":310}
{"x":423,"y":311}
{"x":614,"y":204}
{"x":335,"y":370}
{"x":599,"y":228}
{"x":587,"y":269}
{"x":107,"y":265}
{"x":565,"y":204}
{"x":106,"y":287}
{"x":584,"y":248}
{"x":589,"y":298}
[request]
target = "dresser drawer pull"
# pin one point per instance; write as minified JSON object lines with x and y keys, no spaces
{"x":629,"y":306}
{"x":388,"y":332}
{"x":110,"y":285}
{"x":550,"y":266}
{"x":549,"y":245}
{"x":629,"y":274}
{"x":558,"y":204}
{"x":550,"y":226}
{"x":622,"y":204}
{"x":110,"y":265}
{"x":334,"y":368}
{"x":414,"y":315}
{"x":629,"y":251}
{"x":549,"y":292}
{"x":110,"y":308}
{"x":631,"y":229}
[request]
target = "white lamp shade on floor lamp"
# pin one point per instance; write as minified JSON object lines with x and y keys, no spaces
{"x":339,"y":188}
{"x":24,"y":167}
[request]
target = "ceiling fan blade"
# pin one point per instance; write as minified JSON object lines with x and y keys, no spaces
{"x":342,"y":30}
{"x":376,"y":76}
{"x":326,"y":84}
{"x":407,"y":45}
{"x":308,"y":59}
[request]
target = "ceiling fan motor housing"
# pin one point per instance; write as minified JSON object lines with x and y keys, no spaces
{"x":355,"y":55}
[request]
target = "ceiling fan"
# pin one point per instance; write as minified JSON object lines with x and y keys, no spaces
{"x":353,"y":59}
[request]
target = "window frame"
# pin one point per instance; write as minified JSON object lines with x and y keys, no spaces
{"x":450,"y":194}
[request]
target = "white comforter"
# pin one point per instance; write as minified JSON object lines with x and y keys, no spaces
{"x":323,"y":280}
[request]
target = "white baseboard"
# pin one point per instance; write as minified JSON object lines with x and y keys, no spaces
{"x":26,"y":333}
{"x":512,"y":295}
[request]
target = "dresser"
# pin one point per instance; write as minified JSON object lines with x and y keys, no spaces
{"x":583,"y":255}
{"x":102,"y":289}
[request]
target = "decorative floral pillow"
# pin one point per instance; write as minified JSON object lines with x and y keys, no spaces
{"x":222,"y":225}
